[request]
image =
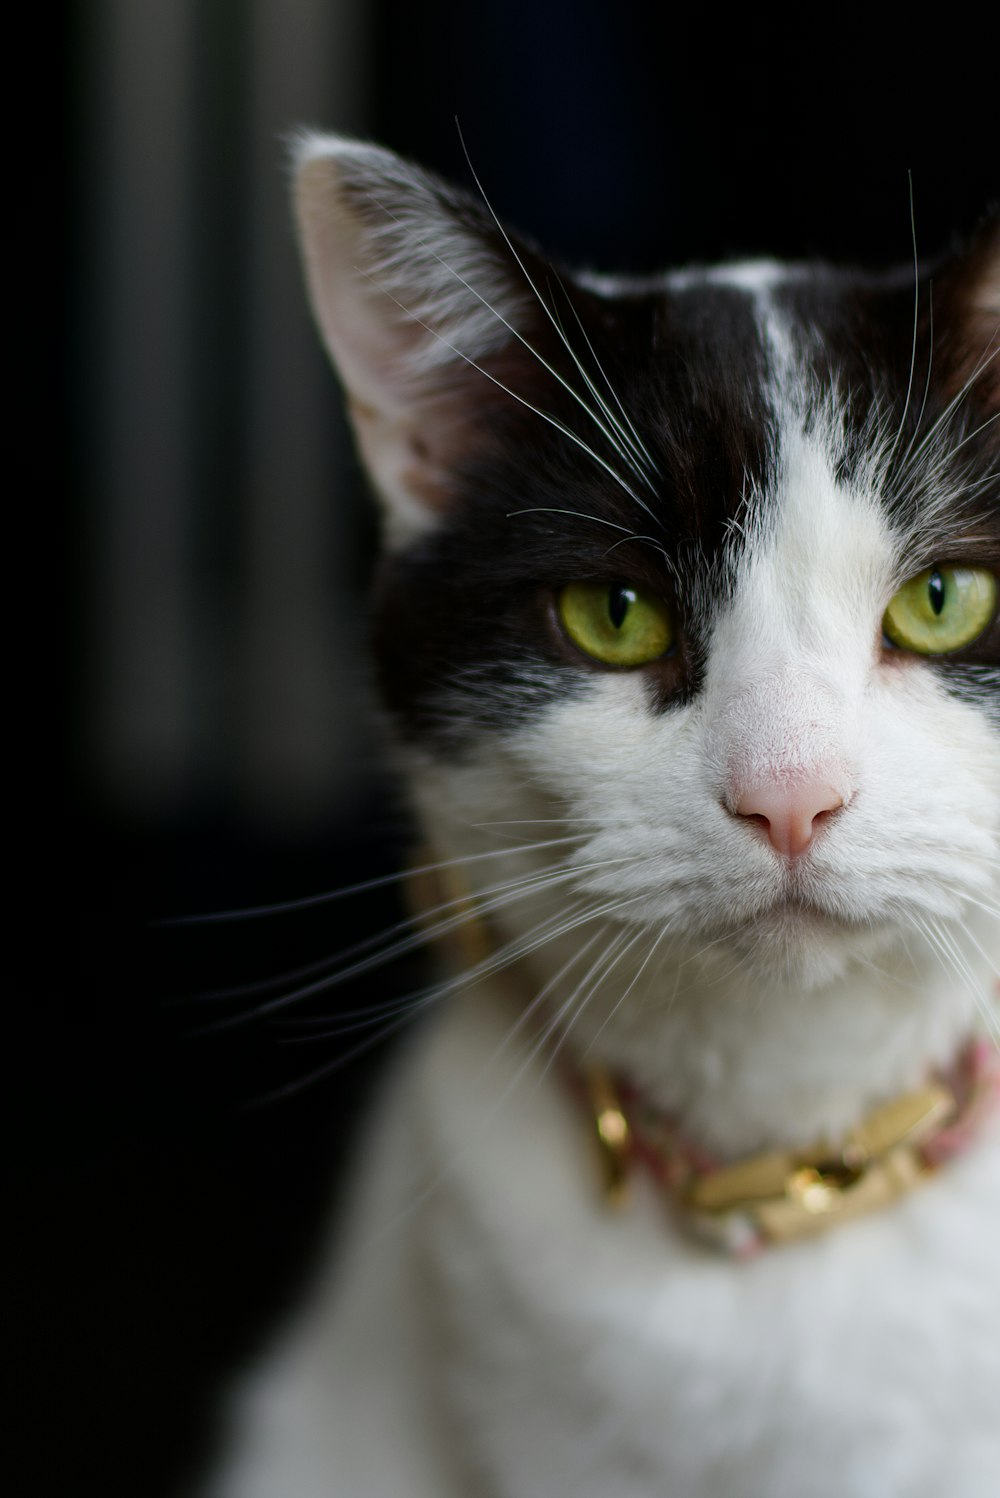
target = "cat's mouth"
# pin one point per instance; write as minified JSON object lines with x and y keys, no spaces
{"x":796,"y":935}
{"x":796,"y":918}
{"x":797,"y":912}
{"x":808,"y":900}
{"x":793,"y":921}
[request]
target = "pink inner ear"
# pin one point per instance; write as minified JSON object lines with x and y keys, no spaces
{"x":415,"y":446}
{"x":416,"y":304}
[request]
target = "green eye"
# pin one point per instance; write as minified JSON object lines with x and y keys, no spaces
{"x":942,"y":609}
{"x":615,"y":623}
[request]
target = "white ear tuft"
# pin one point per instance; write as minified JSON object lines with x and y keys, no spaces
{"x":412,"y":286}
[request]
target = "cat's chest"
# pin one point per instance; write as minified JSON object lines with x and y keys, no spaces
{"x":800,"y":1372}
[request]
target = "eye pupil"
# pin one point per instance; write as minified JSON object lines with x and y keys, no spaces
{"x":619,"y":601}
{"x":614,"y":623}
{"x":943,"y":609}
{"x":935,"y":590}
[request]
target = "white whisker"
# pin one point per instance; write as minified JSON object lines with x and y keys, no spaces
{"x":609,"y":434}
{"x":916,"y":319}
{"x":976,"y":432}
{"x":927,"y":380}
{"x":546,"y":416}
{"x":381,"y":881}
{"x":637,"y":458}
{"x":657,"y":939}
{"x":953,"y":405}
{"x":524,"y":271}
{"x":636,"y":440}
{"x":953,"y":961}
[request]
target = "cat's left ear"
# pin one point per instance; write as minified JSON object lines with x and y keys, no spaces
{"x":418,"y":295}
{"x":970,"y":334}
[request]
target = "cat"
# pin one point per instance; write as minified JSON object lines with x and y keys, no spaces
{"x":687,"y":626}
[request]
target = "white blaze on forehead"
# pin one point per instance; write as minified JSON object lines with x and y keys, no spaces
{"x":818,"y":566}
{"x":754,"y":276}
{"x":792,"y":655}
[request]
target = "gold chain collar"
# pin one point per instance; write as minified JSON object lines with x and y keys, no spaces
{"x":782,"y":1195}
{"x":775,"y":1197}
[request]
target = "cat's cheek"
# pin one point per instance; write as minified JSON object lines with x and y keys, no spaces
{"x":934,"y":786}
{"x":939,"y":709}
{"x":607,"y":745}
{"x":975,"y":688}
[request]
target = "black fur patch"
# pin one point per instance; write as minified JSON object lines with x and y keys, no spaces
{"x":464,"y":632}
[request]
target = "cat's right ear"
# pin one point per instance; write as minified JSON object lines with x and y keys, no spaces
{"x":415,"y":290}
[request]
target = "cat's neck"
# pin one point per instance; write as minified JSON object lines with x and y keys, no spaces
{"x":743,"y":1066}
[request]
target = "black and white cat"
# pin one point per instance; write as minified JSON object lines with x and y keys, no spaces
{"x":688,"y":626}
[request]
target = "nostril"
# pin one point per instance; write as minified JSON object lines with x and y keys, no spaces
{"x":789,"y":814}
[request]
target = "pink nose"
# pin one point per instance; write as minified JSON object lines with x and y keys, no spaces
{"x":790,"y":814}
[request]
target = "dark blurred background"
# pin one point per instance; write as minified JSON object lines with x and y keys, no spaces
{"x":220,"y":745}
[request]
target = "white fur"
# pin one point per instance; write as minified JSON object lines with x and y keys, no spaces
{"x":490,"y":1327}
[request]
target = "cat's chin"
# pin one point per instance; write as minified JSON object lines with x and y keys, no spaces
{"x":796,"y":942}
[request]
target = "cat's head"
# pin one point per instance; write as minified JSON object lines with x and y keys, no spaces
{"x":691,"y":580}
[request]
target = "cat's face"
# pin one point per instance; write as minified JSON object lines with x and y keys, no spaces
{"x":693,"y":582}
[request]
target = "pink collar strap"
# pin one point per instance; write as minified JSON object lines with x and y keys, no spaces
{"x":783,"y":1195}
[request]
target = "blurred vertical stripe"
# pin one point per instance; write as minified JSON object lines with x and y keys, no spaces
{"x":141,"y":663}
{"x":219,"y":570}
